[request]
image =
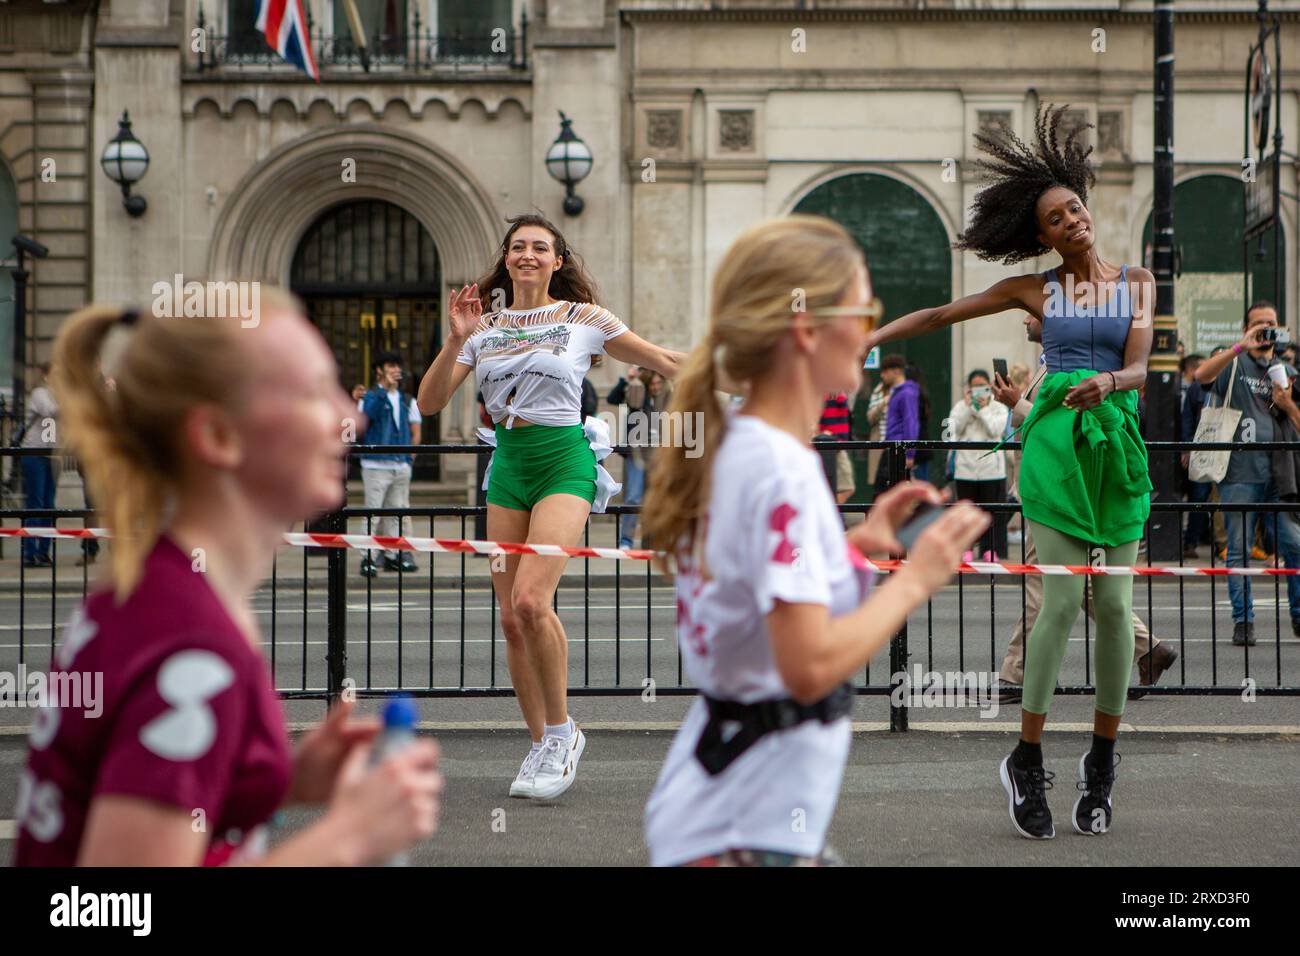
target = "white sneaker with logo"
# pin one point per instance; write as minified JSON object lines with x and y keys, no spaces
{"x":557,"y":764}
{"x":523,"y":782}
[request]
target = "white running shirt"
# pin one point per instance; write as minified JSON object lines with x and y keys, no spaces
{"x":772,"y":532}
{"x":541,"y":355}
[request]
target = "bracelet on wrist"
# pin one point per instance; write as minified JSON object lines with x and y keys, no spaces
{"x":1236,"y":348}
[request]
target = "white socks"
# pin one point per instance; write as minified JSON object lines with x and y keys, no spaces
{"x":563,"y":731}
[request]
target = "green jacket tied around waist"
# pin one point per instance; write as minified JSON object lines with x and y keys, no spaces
{"x":1085,"y":473}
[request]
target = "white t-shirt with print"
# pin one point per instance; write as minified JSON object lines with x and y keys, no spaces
{"x":772,"y":532}
{"x":541,"y":356}
{"x":395,"y":397}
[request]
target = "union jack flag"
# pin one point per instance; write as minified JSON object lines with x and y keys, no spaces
{"x":284,"y":24}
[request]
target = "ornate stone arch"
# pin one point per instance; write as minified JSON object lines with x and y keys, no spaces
{"x":260,"y":226}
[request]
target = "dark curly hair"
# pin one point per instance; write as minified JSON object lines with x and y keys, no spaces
{"x":1004,"y":226}
{"x":571,"y":282}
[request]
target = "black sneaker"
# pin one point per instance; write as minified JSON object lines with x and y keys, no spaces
{"x":407,"y":563}
{"x":1243,"y":634}
{"x":1092,"y":811}
{"x":1009,"y":693}
{"x":368,"y":568}
{"x":1295,"y":626}
{"x":391,"y":563}
{"x":1027,"y":795}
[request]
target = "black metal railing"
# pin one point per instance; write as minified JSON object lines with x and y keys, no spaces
{"x":418,"y":49}
{"x":434,"y":632}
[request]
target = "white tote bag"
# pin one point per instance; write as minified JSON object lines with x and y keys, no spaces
{"x":1218,"y":423}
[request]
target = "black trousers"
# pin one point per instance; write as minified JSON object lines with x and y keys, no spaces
{"x":989,"y":492}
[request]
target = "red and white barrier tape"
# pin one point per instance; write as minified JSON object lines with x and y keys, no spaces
{"x":365,"y":542}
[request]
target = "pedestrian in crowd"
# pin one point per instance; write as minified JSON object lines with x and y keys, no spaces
{"x":1018,"y":378}
{"x":877,"y":411}
{"x":981,"y":475}
{"x":40,"y":430}
{"x":1243,"y":370}
{"x":836,"y":418}
{"x":529,"y":359}
{"x":197,"y":475}
{"x":646,"y":395}
{"x":590,"y":400}
{"x":921,"y":460}
{"x":903,"y":418}
{"x":776,"y":610}
{"x":390,"y":416}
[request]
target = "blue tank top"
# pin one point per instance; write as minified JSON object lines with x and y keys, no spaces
{"x":1078,"y":337}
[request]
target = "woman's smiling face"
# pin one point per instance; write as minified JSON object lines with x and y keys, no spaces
{"x":1064,"y":221}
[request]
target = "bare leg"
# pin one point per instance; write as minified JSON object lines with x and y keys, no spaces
{"x":556,"y":519}
{"x":508,"y":524}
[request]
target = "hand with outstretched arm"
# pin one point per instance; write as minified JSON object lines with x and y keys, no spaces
{"x":445,"y":375}
{"x":1027,"y":292}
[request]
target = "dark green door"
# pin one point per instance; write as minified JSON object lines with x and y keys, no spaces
{"x":911,"y":268}
{"x":1209,"y":215}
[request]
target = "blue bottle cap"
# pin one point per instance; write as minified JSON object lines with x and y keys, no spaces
{"x":400,"y":712}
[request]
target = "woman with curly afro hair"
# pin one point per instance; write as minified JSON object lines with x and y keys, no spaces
{"x":1084,"y":483}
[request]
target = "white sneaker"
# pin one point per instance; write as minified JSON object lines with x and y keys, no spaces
{"x":523,"y":783}
{"x":557,"y":764}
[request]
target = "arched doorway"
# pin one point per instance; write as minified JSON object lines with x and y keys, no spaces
{"x":911,"y":268}
{"x":1210,"y":295}
{"x":370,"y":276}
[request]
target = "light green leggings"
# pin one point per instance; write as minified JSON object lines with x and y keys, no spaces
{"x":1112,"y":602}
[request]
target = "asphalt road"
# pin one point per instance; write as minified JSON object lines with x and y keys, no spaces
{"x":907,"y":799}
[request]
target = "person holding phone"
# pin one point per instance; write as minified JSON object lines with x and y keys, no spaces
{"x":1087,"y":500}
{"x":1243,"y":371}
{"x":981,"y":475}
{"x":197,"y":476}
{"x":775,"y":608}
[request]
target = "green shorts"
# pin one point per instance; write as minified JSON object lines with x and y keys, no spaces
{"x":539,"y":460}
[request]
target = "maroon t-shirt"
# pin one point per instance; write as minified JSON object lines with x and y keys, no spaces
{"x":189,"y":718}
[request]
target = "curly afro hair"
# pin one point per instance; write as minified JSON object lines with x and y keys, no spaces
{"x":1004,"y":226}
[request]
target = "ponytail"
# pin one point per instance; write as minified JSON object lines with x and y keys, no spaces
{"x":679,"y":489}
{"x":127,"y":488}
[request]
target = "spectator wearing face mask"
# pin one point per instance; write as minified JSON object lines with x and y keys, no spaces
{"x":981,"y":475}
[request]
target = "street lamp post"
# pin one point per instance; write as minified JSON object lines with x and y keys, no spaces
{"x":569,"y":161}
{"x":1162,"y":392}
{"x":125,"y":161}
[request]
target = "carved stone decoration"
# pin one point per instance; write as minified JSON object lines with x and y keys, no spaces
{"x":1073,"y":120}
{"x":990,"y":121}
{"x":663,"y":129}
{"x":736,"y":129}
{"x":1110,"y":132}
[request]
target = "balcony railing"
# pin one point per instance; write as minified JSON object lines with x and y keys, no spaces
{"x":420,"y":50}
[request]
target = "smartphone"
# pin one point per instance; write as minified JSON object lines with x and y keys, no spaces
{"x":1000,"y":368}
{"x":924,"y":516}
{"x":1268,"y":335}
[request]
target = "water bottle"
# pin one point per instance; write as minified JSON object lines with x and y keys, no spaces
{"x":398,"y":733}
